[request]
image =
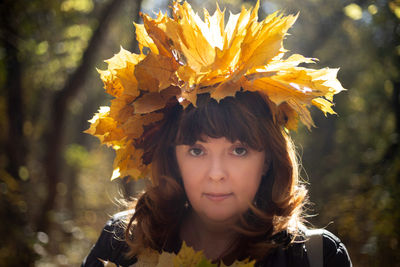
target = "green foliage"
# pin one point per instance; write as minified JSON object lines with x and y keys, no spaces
{"x":77,"y":156}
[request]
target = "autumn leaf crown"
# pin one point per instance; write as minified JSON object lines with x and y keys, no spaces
{"x":183,"y":56}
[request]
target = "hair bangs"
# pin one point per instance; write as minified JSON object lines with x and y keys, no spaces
{"x":229,"y":118}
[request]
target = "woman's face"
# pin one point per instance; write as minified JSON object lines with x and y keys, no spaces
{"x":220,"y":178}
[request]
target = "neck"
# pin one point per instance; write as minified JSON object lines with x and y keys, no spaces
{"x":213,"y":238}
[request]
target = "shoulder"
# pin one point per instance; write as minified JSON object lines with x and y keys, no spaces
{"x":111,"y":245}
{"x":327,"y":247}
{"x":322,"y":245}
{"x":334,"y":251}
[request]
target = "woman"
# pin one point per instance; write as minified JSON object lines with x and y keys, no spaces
{"x":205,"y":112}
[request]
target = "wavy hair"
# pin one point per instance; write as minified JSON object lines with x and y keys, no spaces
{"x":278,"y":203}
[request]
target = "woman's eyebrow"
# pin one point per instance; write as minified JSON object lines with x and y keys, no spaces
{"x":198,"y":142}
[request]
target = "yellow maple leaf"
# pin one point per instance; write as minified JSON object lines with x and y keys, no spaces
{"x":144,"y":39}
{"x":155,"y":72}
{"x":245,"y":263}
{"x":225,"y":89}
{"x":154,"y":101}
{"x":187,"y":256}
{"x":195,"y":46}
{"x":149,"y":103}
{"x":263,"y":42}
{"x":104,"y":127}
{"x":121,"y":108}
{"x":290,"y":115}
{"x":128,"y":162}
{"x":324,"y":105}
{"x":119,"y":78}
{"x":133,"y":127}
{"x":155,"y":28}
{"x":111,"y":84}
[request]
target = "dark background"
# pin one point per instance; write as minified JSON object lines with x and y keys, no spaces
{"x":55,"y":191}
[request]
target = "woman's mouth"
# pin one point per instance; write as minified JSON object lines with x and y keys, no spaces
{"x":217,"y":197}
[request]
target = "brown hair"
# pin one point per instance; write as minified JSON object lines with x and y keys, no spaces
{"x":247,"y":118}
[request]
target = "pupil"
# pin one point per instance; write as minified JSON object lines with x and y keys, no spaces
{"x":240,"y":150}
{"x":196,"y":151}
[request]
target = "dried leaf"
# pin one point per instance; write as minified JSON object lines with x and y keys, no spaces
{"x":155,"y":101}
{"x":263,"y":42}
{"x":144,"y":39}
{"x":149,"y":103}
{"x":112,"y":85}
{"x":198,"y":52}
{"x":133,"y":127}
{"x":158,"y":34}
{"x":128,"y":162}
{"x":119,"y":78}
{"x":105,"y":128}
{"x":155,"y":72}
{"x":290,"y":115}
{"x":121,"y":108}
{"x":127,"y":79}
{"x":302,"y":112}
{"x":187,"y":256}
{"x":245,"y":263}
{"x":224,"y":90}
{"x":324,"y":105}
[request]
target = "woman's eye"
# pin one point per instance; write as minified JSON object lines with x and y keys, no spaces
{"x":239,"y":151}
{"x":196,"y":152}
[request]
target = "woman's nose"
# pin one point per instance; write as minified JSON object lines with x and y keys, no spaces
{"x":217,"y":169}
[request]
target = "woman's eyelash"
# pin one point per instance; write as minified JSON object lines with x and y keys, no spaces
{"x":240,"y":151}
{"x":195,"y":151}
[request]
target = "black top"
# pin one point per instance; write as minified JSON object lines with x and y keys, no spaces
{"x":111,"y":247}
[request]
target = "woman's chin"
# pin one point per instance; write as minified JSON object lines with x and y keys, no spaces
{"x":220,"y":217}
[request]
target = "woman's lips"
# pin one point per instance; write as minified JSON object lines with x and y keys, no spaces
{"x":217,"y":196}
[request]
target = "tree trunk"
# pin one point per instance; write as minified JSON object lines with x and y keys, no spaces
{"x":16,"y":250}
{"x":54,"y":147}
{"x":15,"y":145}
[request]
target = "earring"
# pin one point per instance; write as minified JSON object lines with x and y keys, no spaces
{"x":186,"y":205}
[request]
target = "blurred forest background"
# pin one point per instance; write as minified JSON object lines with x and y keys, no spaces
{"x":55,"y":188}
